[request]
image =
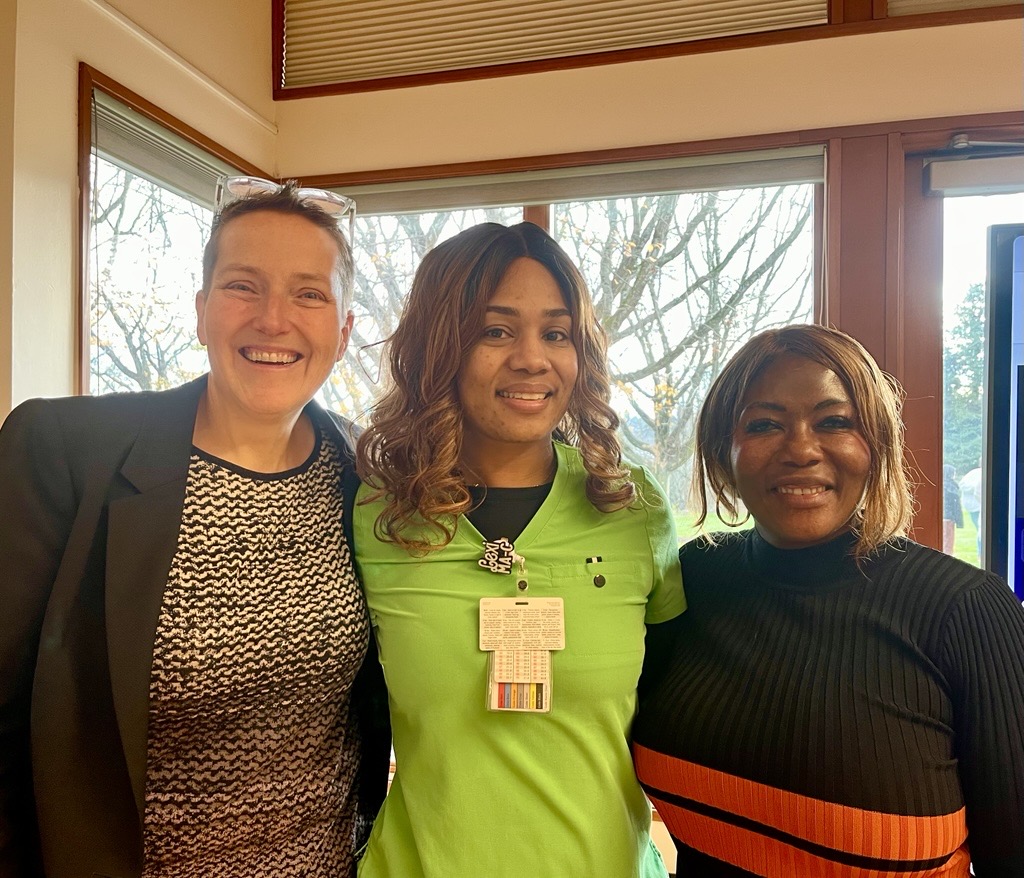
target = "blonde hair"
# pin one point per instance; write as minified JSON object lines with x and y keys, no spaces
{"x":887,"y":508}
{"x":410,"y":451}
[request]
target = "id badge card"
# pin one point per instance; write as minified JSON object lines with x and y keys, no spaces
{"x":519,"y":635}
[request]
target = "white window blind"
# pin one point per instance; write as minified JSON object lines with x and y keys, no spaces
{"x":339,"y":41}
{"x":587,"y":182}
{"x":144,"y":147}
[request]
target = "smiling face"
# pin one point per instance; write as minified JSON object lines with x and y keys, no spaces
{"x":516,"y":383}
{"x":271,"y":319}
{"x":799,"y":460}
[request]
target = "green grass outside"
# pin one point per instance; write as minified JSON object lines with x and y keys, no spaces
{"x":965,"y":546}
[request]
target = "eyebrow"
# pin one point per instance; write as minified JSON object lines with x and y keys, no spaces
{"x":514,"y":312}
{"x":778,"y":407}
{"x":252,"y":269}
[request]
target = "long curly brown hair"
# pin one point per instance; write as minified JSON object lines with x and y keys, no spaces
{"x":411,"y":450}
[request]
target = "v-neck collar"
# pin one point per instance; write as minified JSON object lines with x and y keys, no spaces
{"x":467,"y":533}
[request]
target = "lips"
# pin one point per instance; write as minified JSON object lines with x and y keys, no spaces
{"x":273,"y":358}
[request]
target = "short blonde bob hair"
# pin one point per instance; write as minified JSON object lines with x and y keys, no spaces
{"x":411,"y":450}
{"x":877,"y":397}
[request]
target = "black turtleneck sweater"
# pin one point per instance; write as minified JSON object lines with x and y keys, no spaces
{"x":816,"y":718}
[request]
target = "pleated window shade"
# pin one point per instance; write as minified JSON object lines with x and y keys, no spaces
{"x":339,"y":41}
{"x":146,"y":148}
{"x":588,"y":182}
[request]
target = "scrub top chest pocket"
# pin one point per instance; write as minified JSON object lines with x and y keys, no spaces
{"x":605,"y":604}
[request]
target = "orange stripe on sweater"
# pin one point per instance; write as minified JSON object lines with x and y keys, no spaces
{"x":769,"y":857}
{"x":839,"y":827}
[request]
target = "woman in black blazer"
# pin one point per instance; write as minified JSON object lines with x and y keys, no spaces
{"x":183,"y":688}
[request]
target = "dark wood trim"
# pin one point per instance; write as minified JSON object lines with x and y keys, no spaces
{"x":921,"y":272}
{"x":538,"y":214}
{"x":842,"y":28}
{"x":924,"y":129}
{"x":895,"y":316}
{"x":89,"y":80}
{"x":819,"y":280}
{"x":277,"y":44}
{"x":832,"y":309}
{"x":857,"y":11}
{"x":858,"y":238}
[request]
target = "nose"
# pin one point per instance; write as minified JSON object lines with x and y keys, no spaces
{"x":801,"y":447}
{"x":271,"y":317}
{"x":528,"y":354}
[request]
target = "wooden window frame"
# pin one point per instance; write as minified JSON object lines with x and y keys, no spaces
{"x":90,"y":79}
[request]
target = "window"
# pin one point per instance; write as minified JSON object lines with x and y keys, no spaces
{"x":980,"y":180}
{"x":965,"y":368}
{"x":144,"y":272}
{"x":680,"y":281}
{"x":685,"y":258}
{"x":387,"y":249}
{"x":147,"y":208}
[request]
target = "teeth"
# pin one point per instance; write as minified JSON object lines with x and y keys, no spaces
{"x":276,"y":357}
{"x":818,"y":489}
{"x":531,"y":396}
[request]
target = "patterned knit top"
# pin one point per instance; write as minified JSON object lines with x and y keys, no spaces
{"x":822,"y":719}
{"x":251,"y":758}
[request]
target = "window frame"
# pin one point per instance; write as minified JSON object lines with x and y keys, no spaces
{"x":89,"y":80}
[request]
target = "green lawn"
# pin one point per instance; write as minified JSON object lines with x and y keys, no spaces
{"x":965,"y":542}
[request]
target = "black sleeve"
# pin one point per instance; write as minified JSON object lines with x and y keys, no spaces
{"x":369,"y":697}
{"x":984,"y":663}
{"x":659,"y":642}
{"x":39,"y":502}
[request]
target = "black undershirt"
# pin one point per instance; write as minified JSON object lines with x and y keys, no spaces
{"x":505,"y":512}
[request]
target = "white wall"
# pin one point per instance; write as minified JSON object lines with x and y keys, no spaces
{"x":910,"y":74}
{"x":207,"y":62}
{"x":228,"y":40}
{"x":7,"y":44}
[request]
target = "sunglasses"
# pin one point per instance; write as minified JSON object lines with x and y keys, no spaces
{"x":231,"y":189}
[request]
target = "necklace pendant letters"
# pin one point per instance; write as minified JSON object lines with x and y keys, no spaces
{"x":499,"y":556}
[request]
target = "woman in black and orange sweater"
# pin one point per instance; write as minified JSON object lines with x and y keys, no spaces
{"x":841,"y":701}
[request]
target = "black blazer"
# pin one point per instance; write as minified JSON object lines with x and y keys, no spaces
{"x":93,"y":489}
